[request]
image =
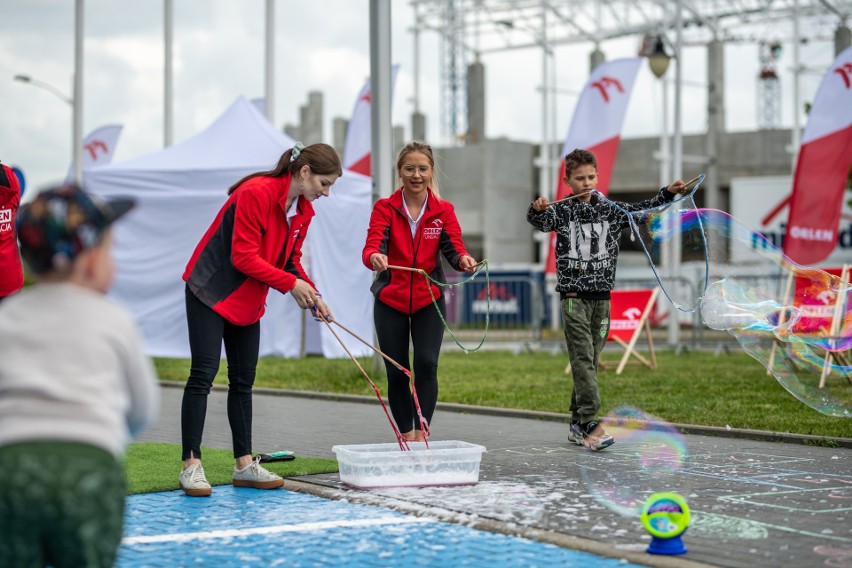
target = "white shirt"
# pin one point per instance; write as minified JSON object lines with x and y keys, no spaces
{"x":294,"y":208}
{"x":72,"y":368}
{"x":412,"y":222}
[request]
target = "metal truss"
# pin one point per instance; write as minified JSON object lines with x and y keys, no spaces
{"x":470,"y":28}
{"x":500,"y":25}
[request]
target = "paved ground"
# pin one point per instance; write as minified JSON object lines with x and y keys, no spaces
{"x":755,"y":503}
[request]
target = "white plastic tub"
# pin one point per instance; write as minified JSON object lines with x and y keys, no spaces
{"x":384,"y":465}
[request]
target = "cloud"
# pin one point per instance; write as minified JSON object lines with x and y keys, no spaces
{"x":219,"y":55}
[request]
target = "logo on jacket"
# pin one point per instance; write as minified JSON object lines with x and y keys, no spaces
{"x":5,"y":220}
{"x":435,"y":231}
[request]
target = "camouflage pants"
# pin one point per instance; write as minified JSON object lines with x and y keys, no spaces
{"x":61,"y":504}
{"x":586,"y":325}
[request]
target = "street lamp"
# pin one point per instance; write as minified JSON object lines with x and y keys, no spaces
{"x":658,"y":58}
{"x":76,"y":136}
{"x":654,"y":48}
{"x":45,"y":86}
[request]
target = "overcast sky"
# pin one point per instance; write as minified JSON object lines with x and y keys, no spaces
{"x":320,"y":45}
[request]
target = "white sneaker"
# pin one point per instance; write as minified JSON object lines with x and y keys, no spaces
{"x":193,"y":482}
{"x":256,"y":476}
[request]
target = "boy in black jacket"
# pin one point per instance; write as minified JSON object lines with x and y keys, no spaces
{"x":588,"y":230}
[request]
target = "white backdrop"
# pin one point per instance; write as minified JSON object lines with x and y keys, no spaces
{"x":179,"y":191}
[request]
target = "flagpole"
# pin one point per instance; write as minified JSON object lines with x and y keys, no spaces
{"x":677,"y":168}
{"x":795,"y":139}
{"x":380,"y":97}
{"x":544,"y":186}
{"x":269,"y":100}
{"x":168,"y":73}
{"x":381,"y":133}
{"x":77,"y":127}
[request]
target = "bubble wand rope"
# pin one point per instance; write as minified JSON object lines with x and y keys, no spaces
{"x":634,"y":232}
{"x":479,"y":266}
{"x":403,"y":443}
{"x":424,"y":424}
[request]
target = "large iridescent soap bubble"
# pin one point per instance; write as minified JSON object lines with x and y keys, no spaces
{"x":794,"y":320}
{"x":651,"y":454}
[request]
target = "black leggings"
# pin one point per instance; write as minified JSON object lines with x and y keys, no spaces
{"x":207,"y":330}
{"x":424,"y":327}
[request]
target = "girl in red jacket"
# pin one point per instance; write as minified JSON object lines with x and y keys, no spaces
{"x":255,"y":243}
{"x":411,"y":228}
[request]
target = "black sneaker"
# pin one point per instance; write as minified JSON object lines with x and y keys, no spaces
{"x":591,"y":435}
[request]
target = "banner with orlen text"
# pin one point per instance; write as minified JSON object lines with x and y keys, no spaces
{"x":822,"y":168}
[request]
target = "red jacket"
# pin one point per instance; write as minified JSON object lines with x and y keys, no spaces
{"x":390,"y":234}
{"x":248,"y":249}
{"x":11,"y":269}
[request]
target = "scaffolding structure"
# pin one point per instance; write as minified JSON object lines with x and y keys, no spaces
{"x":453,"y":71}
{"x":768,"y":87}
{"x":471,"y":28}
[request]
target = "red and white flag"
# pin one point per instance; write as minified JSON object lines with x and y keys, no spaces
{"x":98,"y":147}
{"x":356,"y":150}
{"x":596,"y":125}
{"x":822,"y":167}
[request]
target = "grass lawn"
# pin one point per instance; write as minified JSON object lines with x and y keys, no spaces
{"x":694,"y":388}
{"x":155,"y":467}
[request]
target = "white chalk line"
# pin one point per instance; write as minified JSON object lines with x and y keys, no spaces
{"x":302,"y":527}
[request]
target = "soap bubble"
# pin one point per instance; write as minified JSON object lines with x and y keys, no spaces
{"x":794,"y":320}
{"x":654,"y":451}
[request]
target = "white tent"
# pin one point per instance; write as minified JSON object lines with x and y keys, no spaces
{"x":179,"y":191}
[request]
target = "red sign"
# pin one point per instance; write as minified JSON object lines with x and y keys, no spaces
{"x":625,"y":314}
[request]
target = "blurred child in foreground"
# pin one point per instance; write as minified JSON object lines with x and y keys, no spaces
{"x":75,"y":387}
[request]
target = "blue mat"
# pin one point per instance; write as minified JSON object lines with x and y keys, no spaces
{"x":247,"y":527}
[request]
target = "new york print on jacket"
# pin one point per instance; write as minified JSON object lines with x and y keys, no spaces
{"x":587,"y":236}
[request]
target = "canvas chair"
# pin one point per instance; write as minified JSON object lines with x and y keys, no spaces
{"x":823,"y":317}
{"x":628,"y":320}
{"x":840,"y":310}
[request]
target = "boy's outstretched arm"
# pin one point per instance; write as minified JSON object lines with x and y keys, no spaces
{"x":542,"y":217}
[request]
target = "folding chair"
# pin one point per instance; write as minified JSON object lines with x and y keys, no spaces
{"x":628,"y":319}
{"x":840,"y":309}
{"x":820,"y":314}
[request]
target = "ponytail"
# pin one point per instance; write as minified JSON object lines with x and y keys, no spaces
{"x":320,"y":158}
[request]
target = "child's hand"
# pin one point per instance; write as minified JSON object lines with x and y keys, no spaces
{"x":540,"y":204}
{"x":677,"y":187}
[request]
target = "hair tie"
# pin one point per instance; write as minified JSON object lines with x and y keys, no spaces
{"x":297,"y":149}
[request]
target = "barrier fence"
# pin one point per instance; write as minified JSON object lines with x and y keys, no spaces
{"x":521,"y":307}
